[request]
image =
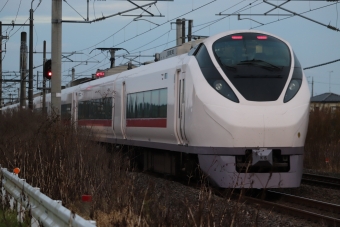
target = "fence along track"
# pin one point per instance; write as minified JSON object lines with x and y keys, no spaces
{"x":302,"y":213}
{"x":45,"y":211}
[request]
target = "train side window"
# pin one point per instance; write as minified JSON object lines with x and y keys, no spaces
{"x":147,"y":104}
{"x":65,"y":111}
{"x":131,"y":106}
{"x":154,"y":103}
{"x":163,"y":98}
{"x":95,"y":109}
{"x":140,"y":102}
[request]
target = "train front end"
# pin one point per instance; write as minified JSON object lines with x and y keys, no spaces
{"x":257,"y":97}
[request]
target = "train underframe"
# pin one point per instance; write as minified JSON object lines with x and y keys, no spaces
{"x":270,"y":170}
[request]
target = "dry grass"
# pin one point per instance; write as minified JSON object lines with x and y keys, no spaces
{"x":64,"y":163}
{"x":323,"y":142}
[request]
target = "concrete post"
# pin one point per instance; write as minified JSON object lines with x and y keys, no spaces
{"x":73,"y":74}
{"x":30,"y":77}
{"x":56,"y":56}
{"x":183,"y":30}
{"x":190,"y":30}
{"x":23,"y":69}
{"x":1,"y":65}
{"x":178,"y":32}
{"x":44,"y":80}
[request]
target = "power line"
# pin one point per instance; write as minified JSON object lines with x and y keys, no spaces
{"x":4,"y":6}
{"x":151,"y":28}
{"x":293,"y":16}
{"x":314,"y":66}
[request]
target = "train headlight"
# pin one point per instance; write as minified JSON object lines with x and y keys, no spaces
{"x":294,"y":84}
{"x":218,"y":85}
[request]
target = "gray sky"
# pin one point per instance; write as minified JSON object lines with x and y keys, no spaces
{"x":313,"y":43}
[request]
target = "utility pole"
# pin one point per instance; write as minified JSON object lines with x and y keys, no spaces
{"x":312,"y":86}
{"x":23,"y":70}
{"x":330,"y":80}
{"x":178,"y":32}
{"x":56,"y":56}
{"x":1,"y":38}
{"x":0,"y":64}
{"x":44,"y":80}
{"x":30,"y":76}
{"x":73,"y":74}
{"x":190,"y":30}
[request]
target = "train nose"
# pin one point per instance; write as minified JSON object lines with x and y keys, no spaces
{"x":248,"y":130}
{"x":270,"y":128}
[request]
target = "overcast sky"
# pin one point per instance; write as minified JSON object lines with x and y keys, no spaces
{"x":312,"y":42}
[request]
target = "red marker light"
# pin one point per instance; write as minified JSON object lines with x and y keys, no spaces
{"x":49,"y":73}
{"x":262,"y":37}
{"x":237,"y":37}
{"x":100,"y":74}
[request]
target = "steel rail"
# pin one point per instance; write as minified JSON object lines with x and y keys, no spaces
{"x":306,"y":202}
{"x":319,"y":218}
{"x":321,"y":180}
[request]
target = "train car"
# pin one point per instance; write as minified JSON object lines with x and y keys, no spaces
{"x":237,"y":103}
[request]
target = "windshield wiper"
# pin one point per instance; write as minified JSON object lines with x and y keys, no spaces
{"x":233,"y":68}
{"x":260,"y":63}
{"x":258,"y":76}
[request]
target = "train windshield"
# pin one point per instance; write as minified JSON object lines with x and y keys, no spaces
{"x":258,"y":65}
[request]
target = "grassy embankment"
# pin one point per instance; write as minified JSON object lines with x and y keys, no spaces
{"x":65,"y":164}
{"x":322,"y":149}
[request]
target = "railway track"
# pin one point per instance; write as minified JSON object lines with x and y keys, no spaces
{"x":323,"y":213}
{"x":319,"y":180}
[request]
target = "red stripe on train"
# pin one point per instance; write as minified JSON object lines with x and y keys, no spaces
{"x":146,"y":122}
{"x":95,"y":122}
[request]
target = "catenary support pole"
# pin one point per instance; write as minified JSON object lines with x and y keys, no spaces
{"x":44,"y":80}
{"x":189,"y":30}
{"x":1,"y":64}
{"x":56,"y":56}
{"x":23,"y":69}
{"x":183,"y":30}
{"x":73,"y":73}
{"x":30,"y":76}
{"x":178,"y":32}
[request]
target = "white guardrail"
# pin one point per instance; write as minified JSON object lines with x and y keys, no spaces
{"x":45,"y":211}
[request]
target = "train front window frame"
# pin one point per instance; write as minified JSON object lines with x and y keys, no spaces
{"x":258,"y":65}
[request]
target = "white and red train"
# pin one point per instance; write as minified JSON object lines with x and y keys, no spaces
{"x":238,"y":102}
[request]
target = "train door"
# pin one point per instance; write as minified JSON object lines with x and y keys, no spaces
{"x":180,"y":107}
{"x":122,"y":110}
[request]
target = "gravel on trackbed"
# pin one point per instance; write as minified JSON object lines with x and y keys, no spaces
{"x":177,"y":194}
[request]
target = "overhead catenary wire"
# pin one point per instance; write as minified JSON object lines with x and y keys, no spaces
{"x":151,"y":28}
{"x":327,"y":63}
{"x":204,"y":5}
{"x":4,"y":6}
{"x":214,"y":21}
{"x":293,"y":15}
